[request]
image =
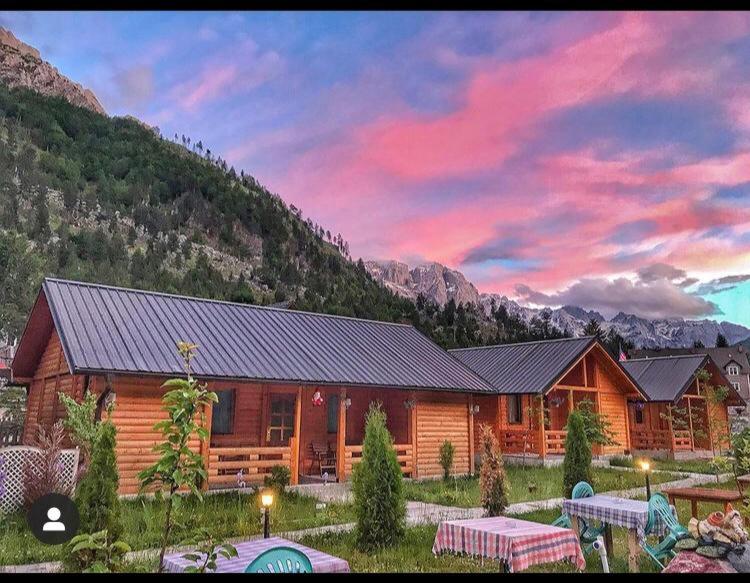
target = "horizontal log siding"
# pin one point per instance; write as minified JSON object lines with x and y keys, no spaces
{"x":613,"y":403}
{"x":441,"y":417}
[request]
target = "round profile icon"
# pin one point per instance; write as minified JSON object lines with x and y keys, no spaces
{"x":53,"y":519}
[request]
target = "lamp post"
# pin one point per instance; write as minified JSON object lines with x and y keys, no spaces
{"x":645,"y":466}
{"x":266,"y":499}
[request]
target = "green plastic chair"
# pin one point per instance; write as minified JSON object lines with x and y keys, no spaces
{"x":280,"y":560}
{"x":589,"y":533}
{"x":658,"y":507}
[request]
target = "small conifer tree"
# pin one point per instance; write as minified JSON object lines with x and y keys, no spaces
{"x":377,"y":484}
{"x":492,"y":480}
{"x":447,"y":451}
{"x":577,"y":463}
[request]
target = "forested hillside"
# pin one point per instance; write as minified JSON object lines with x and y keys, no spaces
{"x":94,"y":198}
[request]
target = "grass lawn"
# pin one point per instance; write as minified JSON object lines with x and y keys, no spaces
{"x":464,"y":492}
{"x":226,"y":515}
{"x":414,"y":554}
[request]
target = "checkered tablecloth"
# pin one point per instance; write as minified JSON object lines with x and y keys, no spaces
{"x":248,"y":550}
{"x":630,"y":514}
{"x":519,"y":543}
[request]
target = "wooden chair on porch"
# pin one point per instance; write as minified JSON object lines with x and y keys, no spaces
{"x":323,"y":456}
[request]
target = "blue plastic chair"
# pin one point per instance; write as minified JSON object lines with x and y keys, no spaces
{"x":280,"y":560}
{"x":659,"y":509}
{"x":589,"y":533}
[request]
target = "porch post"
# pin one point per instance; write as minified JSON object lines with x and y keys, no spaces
{"x":294,"y":442}
{"x":471,"y":434}
{"x":671,"y":431}
{"x":598,"y":447}
{"x":208,"y":410}
{"x":627,"y":425}
{"x":690,"y":424}
{"x":542,"y":434}
{"x":341,"y":439}
{"x":413,"y":435}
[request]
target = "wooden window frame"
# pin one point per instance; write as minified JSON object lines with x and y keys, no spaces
{"x":285,"y":431}
{"x":232,"y":410}
{"x":511,"y":399}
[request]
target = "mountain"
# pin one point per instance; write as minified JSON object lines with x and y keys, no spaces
{"x":444,"y":284}
{"x":108,"y":199}
{"x":22,"y":66}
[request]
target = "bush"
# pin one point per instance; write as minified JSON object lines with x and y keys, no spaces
{"x":577,"y":463}
{"x":446,"y":458}
{"x":741,"y":450}
{"x":377,"y":484}
{"x":621,"y":461}
{"x":279,"y":478}
{"x":96,"y":495}
{"x":492,"y":480}
{"x":43,"y":475}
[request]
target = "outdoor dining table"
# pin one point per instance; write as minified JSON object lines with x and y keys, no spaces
{"x":518,"y":544}
{"x":247,"y":551}
{"x":613,"y":511}
{"x":695,"y":495}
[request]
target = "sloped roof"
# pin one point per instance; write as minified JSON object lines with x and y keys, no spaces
{"x":117,"y":330}
{"x":527,"y":367}
{"x":722,"y":356}
{"x":667,"y":378}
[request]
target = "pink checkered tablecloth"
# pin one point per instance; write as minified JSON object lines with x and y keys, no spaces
{"x":248,"y":550}
{"x":519,"y":543}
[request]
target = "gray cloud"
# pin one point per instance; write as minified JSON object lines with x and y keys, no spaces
{"x":658,"y":271}
{"x":722,"y":284}
{"x":135,"y":85}
{"x":659,"y":298}
{"x":505,"y":248}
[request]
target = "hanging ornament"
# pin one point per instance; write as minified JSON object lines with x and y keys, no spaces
{"x":317,"y":399}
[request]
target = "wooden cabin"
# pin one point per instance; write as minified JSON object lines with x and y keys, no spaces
{"x":293,"y":387}
{"x":679,"y":420}
{"x":538,"y":384}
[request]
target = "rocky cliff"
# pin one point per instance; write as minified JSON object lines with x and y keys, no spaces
{"x":22,"y":66}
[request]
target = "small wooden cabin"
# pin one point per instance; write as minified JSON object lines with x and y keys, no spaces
{"x":678,"y":418}
{"x":538,"y":384}
{"x":293,"y":386}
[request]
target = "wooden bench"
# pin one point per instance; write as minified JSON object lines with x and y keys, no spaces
{"x":695,"y":495}
{"x":323,"y":456}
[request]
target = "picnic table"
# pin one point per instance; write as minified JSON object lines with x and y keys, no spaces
{"x":248,"y":550}
{"x":696,"y":495}
{"x":518,"y":544}
{"x":612,"y":511}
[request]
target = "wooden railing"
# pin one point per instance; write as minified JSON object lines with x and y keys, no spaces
{"x":683,"y":440}
{"x":225,"y":463}
{"x":555,"y":441}
{"x":353,"y":455}
{"x":10,"y":434}
{"x":650,"y":439}
{"x":519,"y":440}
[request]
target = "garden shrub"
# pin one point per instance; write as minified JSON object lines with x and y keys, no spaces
{"x":377,"y":484}
{"x":492,"y":480}
{"x":447,"y":451}
{"x":279,"y":479}
{"x":621,"y":461}
{"x":80,"y":421}
{"x":741,"y":450}
{"x":43,"y":475}
{"x":577,"y":462}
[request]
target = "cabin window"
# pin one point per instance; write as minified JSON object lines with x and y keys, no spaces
{"x":281,"y":420}
{"x":736,"y":385}
{"x":333,"y":413}
{"x":515,"y":410}
{"x":733,"y":369}
{"x":222,"y":421}
{"x":638,"y":415}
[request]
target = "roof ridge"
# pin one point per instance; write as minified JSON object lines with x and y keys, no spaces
{"x":226,"y":302}
{"x":548,"y":341}
{"x":700,"y":355}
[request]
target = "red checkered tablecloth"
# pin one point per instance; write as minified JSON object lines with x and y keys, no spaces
{"x":519,"y":543}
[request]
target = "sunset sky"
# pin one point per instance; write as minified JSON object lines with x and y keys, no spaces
{"x":595,"y":159}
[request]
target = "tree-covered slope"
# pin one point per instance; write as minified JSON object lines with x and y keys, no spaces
{"x":89,"y":197}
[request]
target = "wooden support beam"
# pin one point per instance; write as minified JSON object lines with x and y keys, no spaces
{"x":295,"y":441}
{"x":341,"y":439}
{"x":265,"y":404}
{"x":627,"y":425}
{"x":690,"y":424}
{"x":585,"y":372}
{"x":542,"y":432}
{"x":208,"y":412}
{"x":413,"y":438}
{"x":669,"y":426}
{"x":471,"y":433}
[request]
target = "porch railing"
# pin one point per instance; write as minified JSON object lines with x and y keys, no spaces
{"x":555,"y":441}
{"x":225,"y":463}
{"x":683,"y":440}
{"x":353,"y":455}
{"x":650,"y":439}
{"x":519,"y":440}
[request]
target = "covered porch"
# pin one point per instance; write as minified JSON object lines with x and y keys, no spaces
{"x":316,"y":432}
{"x":673,"y":428}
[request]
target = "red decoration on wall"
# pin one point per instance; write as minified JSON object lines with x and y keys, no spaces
{"x":317,"y":399}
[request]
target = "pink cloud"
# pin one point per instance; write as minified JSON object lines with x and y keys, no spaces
{"x":191,"y":94}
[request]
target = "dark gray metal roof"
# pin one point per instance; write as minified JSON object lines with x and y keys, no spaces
{"x":722,"y":356}
{"x":528,"y":367}
{"x":108,"y":329}
{"x":665,"y":378}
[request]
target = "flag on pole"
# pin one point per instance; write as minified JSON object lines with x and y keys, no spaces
{"x":622,"y":356}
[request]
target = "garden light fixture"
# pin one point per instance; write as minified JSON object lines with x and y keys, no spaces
{"x":266,"y":499}
{"x":646,"y":467}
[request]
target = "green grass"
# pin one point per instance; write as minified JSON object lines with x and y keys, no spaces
{"x":225,"y":515}
{"x":414,"y":554}
{"x":702,"y":466}
{"x":464,"y":491}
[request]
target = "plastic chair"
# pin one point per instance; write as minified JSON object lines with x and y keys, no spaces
{"x":589,"y":533}
{"x":658,"y":507}
{"x":280,"y":560}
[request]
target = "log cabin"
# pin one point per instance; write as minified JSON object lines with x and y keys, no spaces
{"x":538,"y":384}
{"x":679,"y":419}
{"x":293,"y":387}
